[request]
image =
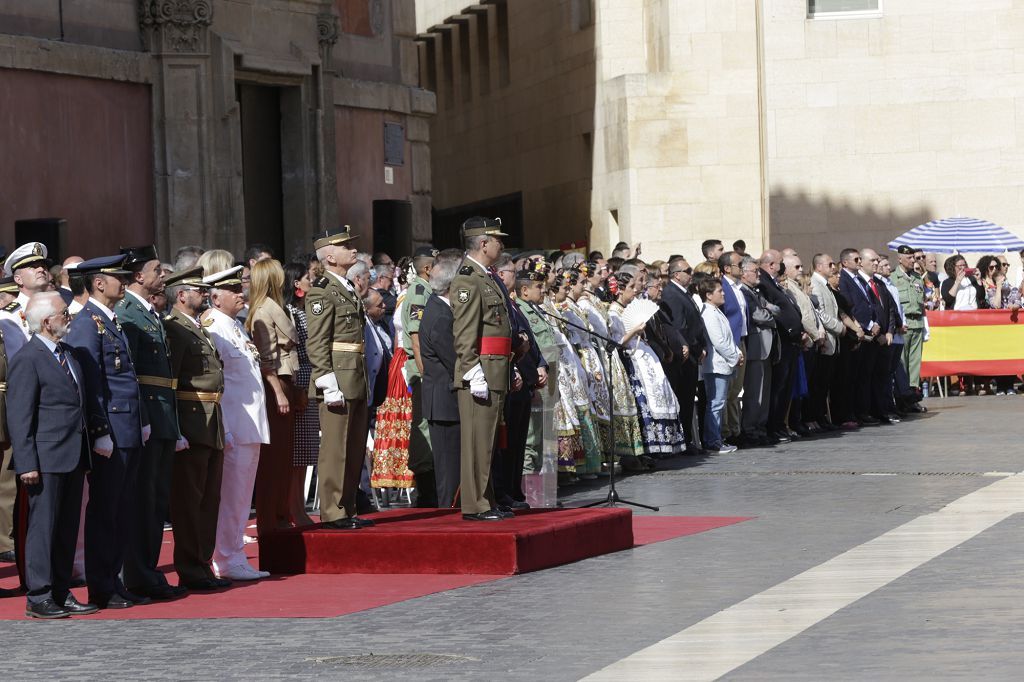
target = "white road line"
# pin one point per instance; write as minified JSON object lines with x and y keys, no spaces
{"x":744,"y":631}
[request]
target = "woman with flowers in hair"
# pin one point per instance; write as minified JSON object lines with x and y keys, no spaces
{"x":627,"y":437}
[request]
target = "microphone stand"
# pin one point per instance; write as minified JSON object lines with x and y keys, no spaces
{"x":610,"y":347}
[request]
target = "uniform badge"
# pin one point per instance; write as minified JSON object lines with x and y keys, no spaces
{"x":463,"y":295}
{"x":317,"y":308}
{"x":416,"y":312}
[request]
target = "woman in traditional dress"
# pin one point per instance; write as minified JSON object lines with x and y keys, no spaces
{"x":627,"y":436}
{"x":394,"y":417}
{"x":572,"y":394}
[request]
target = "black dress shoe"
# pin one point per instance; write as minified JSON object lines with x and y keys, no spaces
{"x":489,"y":515}
{"x":204,"y":585}
{"x":110,"y":601}
{"x":350,"y":523}
{"x":519,"y":504}
{"x":137,"y":599}
{"x":868,"y":420}
{"x":46,"y":609}
{"x":363,"y":523}
{"x":506,"y":512}
{"x":77,"y":608}
{"x":220,"y":582}
{"x":161,"y":592}
{"x":8,"y":556}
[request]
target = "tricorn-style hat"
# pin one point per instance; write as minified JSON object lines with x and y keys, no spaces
{"x":104,"y":265}
{"x":225,"y":278}
{"x":193,"y":277}
{"x":139,"y":255}
{"x":25,"y":255}
{"x":333,"y":236}
{"x":479,"y":225}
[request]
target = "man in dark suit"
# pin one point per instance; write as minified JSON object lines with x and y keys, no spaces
{"x":860,"y":366}
{"x":147,"y":344}
{"x":790,"y":329}
{"x":440,"y":401}
{"x":685,"y":318}
{"x":51,"y":454}
{"x":118,"y":429}
{"x":880,"y":380}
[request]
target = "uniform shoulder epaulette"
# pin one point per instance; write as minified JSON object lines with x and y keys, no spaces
{"x":466,"y":270}
{"x":420,"y":290}
{"x":12,"y":307}
{"x":321,"y":282}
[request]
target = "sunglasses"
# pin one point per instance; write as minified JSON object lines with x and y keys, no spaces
{"x":688,"y":271}
{"x":918,"y":257}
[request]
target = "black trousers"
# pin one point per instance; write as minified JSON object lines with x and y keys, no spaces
{"x":782,"y":387}
{"x":682,"y":376}
{"x":108,"y":517}
{"x":816,"y":405}
{"x":507,"y":466}
{"x":152,"y":502}
{"x":446,"y":439}
{"x":863,"y":376}
{"x":54,"y":509}
{"x":843,"y":389}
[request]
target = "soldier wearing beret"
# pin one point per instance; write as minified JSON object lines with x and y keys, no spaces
{"x":335,"y":345}
{"x":421,"y":461}
{"x":147,"y":345}
{"x":483,"y":349}
{"x":118,"y":430}
{"x":199,"y":459}
{"x":910,"y":286}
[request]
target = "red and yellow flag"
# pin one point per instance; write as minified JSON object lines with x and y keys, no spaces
{"x":976,"y":342}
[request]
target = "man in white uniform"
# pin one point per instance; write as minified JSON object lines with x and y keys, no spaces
{"x":27,"y":264}
{"x":245,"y":422}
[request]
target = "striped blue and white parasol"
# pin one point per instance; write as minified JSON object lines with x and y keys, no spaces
{"x":960,"y":235}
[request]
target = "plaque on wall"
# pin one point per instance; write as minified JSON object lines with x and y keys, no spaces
{"x":394,"y":144}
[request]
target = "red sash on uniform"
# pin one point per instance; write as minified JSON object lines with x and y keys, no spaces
{"x":495,"y":345}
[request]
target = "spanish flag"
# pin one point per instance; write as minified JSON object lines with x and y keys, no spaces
{"x":975,"y":342}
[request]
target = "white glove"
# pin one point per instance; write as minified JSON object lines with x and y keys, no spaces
{"x":147,"y":431}
{"x":229,"y":440}
{"x":333,"y":396}
{"x":477,"y":382}
{"x":405,"y":375}
{"x":103,"y":446}
{"x":181,"y":444}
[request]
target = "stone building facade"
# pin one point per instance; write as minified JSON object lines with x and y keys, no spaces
{"x":809,"y":123}
{"x":213,"y":122}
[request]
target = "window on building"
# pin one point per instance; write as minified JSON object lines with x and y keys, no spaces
{"x":824,"y":9}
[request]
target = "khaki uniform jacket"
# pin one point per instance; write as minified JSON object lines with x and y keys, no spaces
{"x":274,"y":335}
{"x":335,"y":315}
{"x":479,"y":309}
{"x":147,"y":344}
{"x":413,"y":305}
{"x":911,"y":288}
{"x":196,"y":365}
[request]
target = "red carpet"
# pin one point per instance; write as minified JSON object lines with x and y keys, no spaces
{"x":440,"y":541}
{"x":327,"y":596}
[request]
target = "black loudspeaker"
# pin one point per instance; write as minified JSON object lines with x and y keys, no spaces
{"x":392,"y":227}
{"x":51,"y":232}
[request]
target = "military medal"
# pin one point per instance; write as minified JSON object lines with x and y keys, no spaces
{"x":117,"y":359}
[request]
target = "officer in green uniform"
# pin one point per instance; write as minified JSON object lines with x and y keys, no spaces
{"x":421,"y":460}
{"x":530,"y":288}
{"x":911,"y":289}
{"x":483,"y":348}
{"x":335,"y":320}
{"x":199,"y":462}
{"x":147,"y":344}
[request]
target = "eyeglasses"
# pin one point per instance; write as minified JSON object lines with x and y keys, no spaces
{"x":512,"y":270}
{"x":921,"y":257}
{"x":831,"y":265}
{"x":66,"y":314}
{"x":1004,"y":265}
{"x":993,"y":266}
{"x":688,"y":271}
{"x":857,"y":259}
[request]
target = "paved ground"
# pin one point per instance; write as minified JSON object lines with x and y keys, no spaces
{"x":958,"y":615}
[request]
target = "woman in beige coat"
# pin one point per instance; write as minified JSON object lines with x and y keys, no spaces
{"x":274,"y":335}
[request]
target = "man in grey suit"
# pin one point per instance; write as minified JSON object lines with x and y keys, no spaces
{"x":46,"y":410}
{"x":816,"y":406}
{"x":762,"y":349}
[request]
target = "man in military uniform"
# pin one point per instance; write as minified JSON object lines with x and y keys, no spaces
{"x":27,"y":265}
{"x":910,"y":286}
{"x":118,"y":429}
{"x":483,"y":349}
{"x":199,"y":459}
{"x":421,"y":460}
{"x":8,"y":484}
{"x":147,"y":344}
{"x":335,"y":345}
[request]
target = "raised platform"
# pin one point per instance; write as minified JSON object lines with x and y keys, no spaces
{"x":440,"y":541}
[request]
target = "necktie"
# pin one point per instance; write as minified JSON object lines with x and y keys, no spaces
{"x":62,"y":359}
{"x":874,"y":288}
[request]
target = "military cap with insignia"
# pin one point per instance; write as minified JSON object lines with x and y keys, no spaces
{"x":193,"y":277}
{"x":104,"y":265}
{"x":425,"y":252}
{"x":25,"y":255}
{"x":479,"y":225}
{"x":225,"y":278}
{"x":139,"y":255}
{"x":333,"y":236}
{"x":531,"y":275}
{"x":8,"y":285}
{"x":906,"y":250}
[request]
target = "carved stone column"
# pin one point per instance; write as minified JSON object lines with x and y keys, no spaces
{"x":327,"y":187}
{"x":177,"y":33}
